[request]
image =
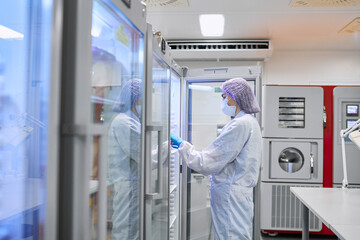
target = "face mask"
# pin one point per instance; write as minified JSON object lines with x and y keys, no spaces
{"x":138,"y":109}
{"x":228,"y":110}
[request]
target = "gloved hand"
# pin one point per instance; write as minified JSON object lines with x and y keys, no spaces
{"x":175,"y":140}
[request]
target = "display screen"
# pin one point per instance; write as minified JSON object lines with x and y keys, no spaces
{"x":349,"y":123}
{"x":352,"y":110}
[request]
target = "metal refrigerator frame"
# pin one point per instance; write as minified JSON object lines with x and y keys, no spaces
{"x":76,"y":128}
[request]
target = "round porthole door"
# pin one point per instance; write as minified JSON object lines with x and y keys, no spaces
{"x":291,"y":160}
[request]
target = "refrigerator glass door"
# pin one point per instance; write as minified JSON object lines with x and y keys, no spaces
{"x":117,"y":89}
{"x":205,"y":121}
{"x":175,"y":110}
{"x":25,"y":82}
{"x":160,"y":107}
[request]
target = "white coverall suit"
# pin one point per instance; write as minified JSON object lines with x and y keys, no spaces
{"x":123,"y":172}
{"x":233,"y":160}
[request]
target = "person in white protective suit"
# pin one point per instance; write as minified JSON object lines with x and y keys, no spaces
{"x":124,"y":157}
{"x":233,"y":160}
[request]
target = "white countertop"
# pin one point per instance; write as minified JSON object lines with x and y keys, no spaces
{"x":337,"y":208}
{"x":346,"y":231}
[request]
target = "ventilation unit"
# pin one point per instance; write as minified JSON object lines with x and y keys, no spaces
{"x":221,"y":49}
{"x":281,"y":210}
{"x":352,"y":27}
{"x":286,"y":210}
{"x":324,"y":3}
{"x":166,"y":3}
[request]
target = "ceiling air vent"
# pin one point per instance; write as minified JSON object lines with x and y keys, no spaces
{"x":352,"y":27}
{"x":166,"y":3}
{"x":324,"y":3}
{"x":221,"y":49}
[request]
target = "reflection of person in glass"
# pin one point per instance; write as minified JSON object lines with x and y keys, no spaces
{"x":124,"y":156}
{"x":11,"y":132}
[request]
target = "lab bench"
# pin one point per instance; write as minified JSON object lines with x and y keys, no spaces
{"x":337,"y":208}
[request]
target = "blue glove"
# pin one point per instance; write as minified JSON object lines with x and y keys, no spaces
{"x":175,"y":140}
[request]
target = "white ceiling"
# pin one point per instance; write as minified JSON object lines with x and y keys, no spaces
{"x":288,"y":28}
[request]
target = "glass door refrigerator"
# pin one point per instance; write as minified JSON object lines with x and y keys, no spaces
{"x":157,"y":130}
{"x":30,"y":37}
{"x":175,"y":176}
{"x":102,"y":147}
{"x":203,"y":122}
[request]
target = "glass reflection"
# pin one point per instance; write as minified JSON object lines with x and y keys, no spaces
{"x":116,"y":79}
{"x":160,"y":117}
{"x":25,"y":45}
{"x":124,"y":158}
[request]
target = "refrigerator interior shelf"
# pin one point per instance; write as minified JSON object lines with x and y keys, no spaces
{"x":196,"y":209}
{"x":172,"y":220}
{"x":172,"y":188}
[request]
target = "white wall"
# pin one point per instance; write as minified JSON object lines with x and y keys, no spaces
{"x":313,"y":68}
{"x":301,"y":67}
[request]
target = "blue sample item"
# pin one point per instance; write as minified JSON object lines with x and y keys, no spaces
{"x":175,"y":140}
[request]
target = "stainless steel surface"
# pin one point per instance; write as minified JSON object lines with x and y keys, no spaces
{"x":51,"y":225}
{"x":75,"y":108}
{"x":305,"y":222}
{"x":292,"y":112}
{"x":175,"y":197}
{"x":281,"y":210}
{"x":185,"y":170}
{"x":291,"y":160}
{"x":312,"y":163}
{"x":183,"y":208}
{"x":292,"y":124}
{"x":291,"y":104}
{"x":146,"y":225}
{"x":292,"y":117}
{"x":144,"y":151}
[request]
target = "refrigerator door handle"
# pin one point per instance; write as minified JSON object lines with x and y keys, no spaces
{"x":159,"y":183}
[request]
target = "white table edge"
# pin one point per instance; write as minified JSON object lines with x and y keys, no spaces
{"x":292,"y":189}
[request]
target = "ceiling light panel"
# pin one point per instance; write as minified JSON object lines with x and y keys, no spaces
{"x":212,"y":25}
{"x":324,"y":3}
